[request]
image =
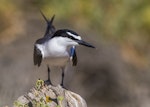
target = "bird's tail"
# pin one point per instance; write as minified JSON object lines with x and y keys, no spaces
{"x":50,"y":27}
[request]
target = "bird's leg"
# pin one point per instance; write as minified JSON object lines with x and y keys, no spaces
{"x":62,"y":80}
{"x":48,"y":82}
{"x":48,"y":69}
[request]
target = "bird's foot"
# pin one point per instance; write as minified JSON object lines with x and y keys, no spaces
{"x":48,"y":82}
{"x":62,"y":85}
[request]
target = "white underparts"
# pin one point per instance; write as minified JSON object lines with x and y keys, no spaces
{"x":55,"y":52}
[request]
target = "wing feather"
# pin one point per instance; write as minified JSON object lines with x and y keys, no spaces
{"x":37,"y":56}
{"x":50,"y":29}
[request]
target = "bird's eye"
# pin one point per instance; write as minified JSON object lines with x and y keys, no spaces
{"x":71,"y":37}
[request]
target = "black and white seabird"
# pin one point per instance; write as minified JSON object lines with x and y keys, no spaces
{"x":53,"y":47}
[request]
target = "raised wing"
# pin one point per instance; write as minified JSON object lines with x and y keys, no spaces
{"x":73,"y":56}
{"x":37,"y":56}
{"x":50,"y":30}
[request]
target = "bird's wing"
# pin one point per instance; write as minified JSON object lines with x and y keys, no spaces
{"x":37,"y":56}
{"x":73,"y":56}
{"x":50,"y":30}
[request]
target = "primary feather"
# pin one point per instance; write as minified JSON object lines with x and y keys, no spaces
{"x":37,"y":56}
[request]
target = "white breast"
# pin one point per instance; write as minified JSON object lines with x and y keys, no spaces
{"x":54,"y":53}
{"x":54,"y":48}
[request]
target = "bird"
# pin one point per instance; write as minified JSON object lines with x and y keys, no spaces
{"x":57,"y":48}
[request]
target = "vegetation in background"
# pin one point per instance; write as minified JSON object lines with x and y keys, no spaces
{"x":125,"y":20}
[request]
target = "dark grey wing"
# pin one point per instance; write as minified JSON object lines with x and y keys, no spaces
{"x":37,"y":56}
{"x":50,"y":30}
{"x":73,"y":56}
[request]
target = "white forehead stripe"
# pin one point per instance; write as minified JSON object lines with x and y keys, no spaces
{"x":73,"y":35}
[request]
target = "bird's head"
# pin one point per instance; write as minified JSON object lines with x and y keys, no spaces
{"x":70,"y":38}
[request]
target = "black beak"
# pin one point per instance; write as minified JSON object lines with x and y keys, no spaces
{"x":81,"y":42}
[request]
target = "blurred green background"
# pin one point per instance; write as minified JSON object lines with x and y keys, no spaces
{"x":115,"y":74}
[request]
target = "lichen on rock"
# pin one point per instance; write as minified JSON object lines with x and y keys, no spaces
{"x":43,"y":95}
